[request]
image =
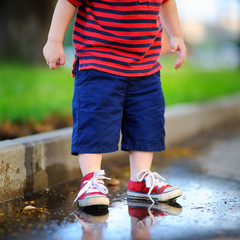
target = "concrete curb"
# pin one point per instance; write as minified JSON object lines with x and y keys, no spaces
{"x":187,"y":120}
{"x":35,"y":162}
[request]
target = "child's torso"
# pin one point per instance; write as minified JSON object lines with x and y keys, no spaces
{"x":125,"y":34}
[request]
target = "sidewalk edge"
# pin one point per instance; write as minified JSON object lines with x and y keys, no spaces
{"x":39,"y":161}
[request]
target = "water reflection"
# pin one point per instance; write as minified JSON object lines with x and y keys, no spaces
{"x":145,"y":215}
{"x":95,"y":223}
{"x":92,"y":221}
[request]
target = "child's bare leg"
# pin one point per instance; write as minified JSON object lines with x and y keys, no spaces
{"x":138,"y":161}
{"x":89,"y":162}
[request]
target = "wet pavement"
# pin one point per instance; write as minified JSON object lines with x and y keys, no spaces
{"x":207,"y":168}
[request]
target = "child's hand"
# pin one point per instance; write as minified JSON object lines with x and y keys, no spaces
{"x":178,"y":47}
{"x":54,"y":54}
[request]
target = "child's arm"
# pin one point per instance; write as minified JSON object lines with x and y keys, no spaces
{"x":53,"y":50}
{"x":169,"y":16}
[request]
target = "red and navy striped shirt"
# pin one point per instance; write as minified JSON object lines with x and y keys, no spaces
{"x":121,"y":37}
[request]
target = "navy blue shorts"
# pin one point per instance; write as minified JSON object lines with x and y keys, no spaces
{"x":105,"y":105}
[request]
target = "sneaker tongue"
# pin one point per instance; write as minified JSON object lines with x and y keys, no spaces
{"x":88,"y":176}
{"x":149,"y":181}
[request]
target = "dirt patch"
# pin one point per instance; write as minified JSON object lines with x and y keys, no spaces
{"x":10,"y":130}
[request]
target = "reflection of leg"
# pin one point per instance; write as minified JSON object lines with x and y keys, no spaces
{"x":90,"y":162}
{"x":144,"y":215}
{"x":139,"y":161}
{"x":138,"y":230}
{"x":92,"y":223}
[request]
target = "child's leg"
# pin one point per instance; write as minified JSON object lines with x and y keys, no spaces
{"x":142,"y":134}
{"x":89,"y":162}
{"x":138,"y":161}
{"x":97,"y":117}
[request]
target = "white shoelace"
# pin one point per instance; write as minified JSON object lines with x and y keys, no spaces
{"x":152,"y":179}
{"x":150,"y":220}
{"x":95,"y":182}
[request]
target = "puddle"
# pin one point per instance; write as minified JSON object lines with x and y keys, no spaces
{"x":208,"y":209}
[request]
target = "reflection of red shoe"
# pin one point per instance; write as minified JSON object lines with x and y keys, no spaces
{"x":149,"y":213}
{"x":93,"y":216}
{"x":93,"y":193}
{"x":150,"y":187}
{"x":92,"y":222}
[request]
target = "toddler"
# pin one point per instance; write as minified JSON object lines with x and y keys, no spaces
{"x":117,"y":87}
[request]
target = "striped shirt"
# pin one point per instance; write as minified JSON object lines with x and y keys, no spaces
{"x":121,"y":37}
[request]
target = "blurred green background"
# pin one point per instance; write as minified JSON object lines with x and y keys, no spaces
{"x":35,"y":99}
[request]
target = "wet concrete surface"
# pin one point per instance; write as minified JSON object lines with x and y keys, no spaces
{"x":207,"y":168}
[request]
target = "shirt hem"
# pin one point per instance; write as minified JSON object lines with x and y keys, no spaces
{"x":134,"y":74}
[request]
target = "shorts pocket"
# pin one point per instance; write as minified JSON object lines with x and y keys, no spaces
{"x":81,"y":84}
{"x":81,"y":77}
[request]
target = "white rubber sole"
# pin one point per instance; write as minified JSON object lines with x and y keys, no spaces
{"x":162,"y":197}
{"x":93,"y":201}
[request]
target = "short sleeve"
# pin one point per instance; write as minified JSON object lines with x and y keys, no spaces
{"x":164,"y":1}
{"x":76,"y":3}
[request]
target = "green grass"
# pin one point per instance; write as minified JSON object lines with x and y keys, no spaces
{"x":31,"y":93}
{"x":188,"y":84}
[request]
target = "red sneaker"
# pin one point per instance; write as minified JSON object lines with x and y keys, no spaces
{"x":93,"y":193}
{"x":150,"y":187}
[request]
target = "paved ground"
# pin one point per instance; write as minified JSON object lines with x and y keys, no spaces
{"x":206,"y":167}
